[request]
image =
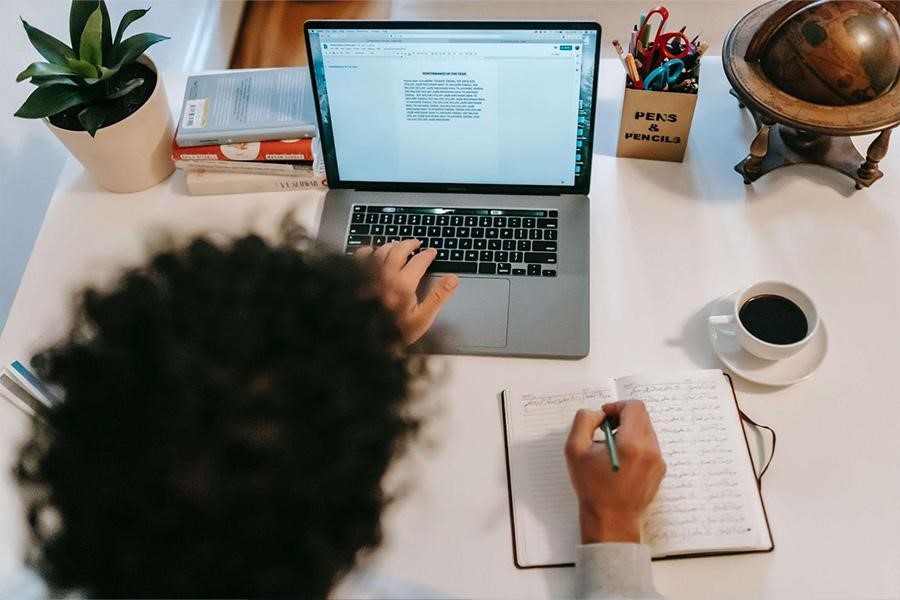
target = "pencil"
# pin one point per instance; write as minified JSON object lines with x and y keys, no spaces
{"x":702,"y":48}
{"x":611,"y":444}
{"x":620,"y":52}
{"x":631,"y":67}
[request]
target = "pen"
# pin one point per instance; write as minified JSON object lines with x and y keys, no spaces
{"x":695,"y":68}
{"x":611,"y":444}
{"x":693,"y":45}
{"x":633,"y":40}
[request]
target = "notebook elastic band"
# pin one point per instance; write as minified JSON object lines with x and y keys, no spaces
{"x":771,"y":453}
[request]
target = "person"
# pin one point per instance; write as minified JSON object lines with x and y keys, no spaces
{"x":611,"y":561}
{"x":230,"y":411}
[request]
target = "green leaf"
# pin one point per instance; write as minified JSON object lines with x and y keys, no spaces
{"x":132,"y":84}
{"x":130,"y":17}
{"x":92,"y":117}
{"x":42,"y":80}
{"x":48,"y":46}
{"x":106,"y":33}
{"x":52,"y":99}
{"x":90,"y":49}
{"x":106,"y":73}
{"x":129,"y":50}
{"x":41,"y":69}
{"x":84,"y":69}
{"x":78,"y":17}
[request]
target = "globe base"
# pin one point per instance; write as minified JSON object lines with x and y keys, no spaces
{"x":777,"y":145}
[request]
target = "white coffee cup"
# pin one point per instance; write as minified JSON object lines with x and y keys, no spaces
{"x":731,"y":324}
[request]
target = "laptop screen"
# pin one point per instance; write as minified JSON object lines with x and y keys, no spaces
{"x":450,"y":107}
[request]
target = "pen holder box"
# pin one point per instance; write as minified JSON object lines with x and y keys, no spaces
{"x":655,"y":125}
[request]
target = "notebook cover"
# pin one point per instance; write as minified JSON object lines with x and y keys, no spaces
{"x":512,"y":523}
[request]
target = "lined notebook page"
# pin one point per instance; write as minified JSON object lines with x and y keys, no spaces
{"x":708,"y":500}
{"x":545,"y":511}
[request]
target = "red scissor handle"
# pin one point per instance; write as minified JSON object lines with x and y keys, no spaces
{"x":663,"y":13}
{"x":662,"y":44}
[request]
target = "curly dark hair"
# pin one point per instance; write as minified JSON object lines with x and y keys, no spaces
{"x":230,"y":411}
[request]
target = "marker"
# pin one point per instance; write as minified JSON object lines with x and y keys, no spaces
{"x":631,"y":43}
{"x":645,"y":38}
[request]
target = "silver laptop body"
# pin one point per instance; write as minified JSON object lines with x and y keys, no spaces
{"x":521,"y":249}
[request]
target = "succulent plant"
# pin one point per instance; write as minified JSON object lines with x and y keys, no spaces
{"x":94,"y":75}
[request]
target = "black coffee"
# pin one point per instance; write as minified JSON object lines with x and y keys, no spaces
{"x":773,"y":319}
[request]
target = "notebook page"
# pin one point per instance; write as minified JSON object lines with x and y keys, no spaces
{"x":545,"y":510}
{"x":708,"y":500}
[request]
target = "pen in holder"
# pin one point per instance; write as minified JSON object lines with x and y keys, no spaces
{"x":661,"y":85}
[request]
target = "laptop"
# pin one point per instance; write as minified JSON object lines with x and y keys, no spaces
{"x":474,"y":137}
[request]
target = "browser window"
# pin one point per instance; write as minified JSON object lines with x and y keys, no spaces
{"x":455,"y":106}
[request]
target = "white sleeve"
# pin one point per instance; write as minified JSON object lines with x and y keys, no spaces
{"x":614,"y":572}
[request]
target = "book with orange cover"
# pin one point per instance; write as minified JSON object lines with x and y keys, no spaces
{"x":270,"y":150}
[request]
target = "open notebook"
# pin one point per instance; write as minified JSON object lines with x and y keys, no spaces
{"x":708,"y":502}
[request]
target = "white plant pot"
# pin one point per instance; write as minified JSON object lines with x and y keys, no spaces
{"x":134,"y":153}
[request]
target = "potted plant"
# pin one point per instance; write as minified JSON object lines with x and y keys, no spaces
{"x":103,"y":98}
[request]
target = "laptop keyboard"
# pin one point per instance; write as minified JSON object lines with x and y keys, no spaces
{"x":486,"y":241}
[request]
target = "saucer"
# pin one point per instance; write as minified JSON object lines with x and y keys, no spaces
{"x":786,"y":371}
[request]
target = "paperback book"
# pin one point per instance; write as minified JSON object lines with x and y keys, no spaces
{"x":202,"y":182}
{"x":247,"y":106}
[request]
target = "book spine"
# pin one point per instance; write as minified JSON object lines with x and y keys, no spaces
{"x":202,"y":183}
{"x":268,"y":150}
{"x":190,"y":139}
{"x":263,"y":168}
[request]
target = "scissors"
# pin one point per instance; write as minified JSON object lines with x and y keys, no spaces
{"x":659,"y":48}
{"x":664,"y":75}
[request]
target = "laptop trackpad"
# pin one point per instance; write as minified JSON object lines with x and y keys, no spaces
{"x":476,"y":315}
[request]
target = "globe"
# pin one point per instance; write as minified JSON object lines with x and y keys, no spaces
{"x":835,"y":52}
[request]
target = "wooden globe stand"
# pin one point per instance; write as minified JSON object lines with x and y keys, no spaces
{"x":792,"y":131}
{"x":778,"y":145}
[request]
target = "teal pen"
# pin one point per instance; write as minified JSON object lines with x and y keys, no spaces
{"x":611,"y":443}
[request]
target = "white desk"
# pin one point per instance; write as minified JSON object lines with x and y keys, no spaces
{"x":667,"y":240}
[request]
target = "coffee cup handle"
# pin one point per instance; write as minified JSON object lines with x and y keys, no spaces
{"x":721,"y":324}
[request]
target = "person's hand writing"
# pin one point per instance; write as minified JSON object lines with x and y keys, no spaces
{"x":610,"y":504}
{"x":398,"y":280}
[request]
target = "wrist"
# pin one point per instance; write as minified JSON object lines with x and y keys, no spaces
{"x":609,"y":527}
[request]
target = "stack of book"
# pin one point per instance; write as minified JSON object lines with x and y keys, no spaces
{"x":249,"y":131}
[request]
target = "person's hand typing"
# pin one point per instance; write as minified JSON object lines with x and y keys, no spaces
{"x":398,"y":280}
{"x":610,"y":503}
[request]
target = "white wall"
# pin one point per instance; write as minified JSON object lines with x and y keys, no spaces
{"x":711,"y":17}
{"x":202,"y":32}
